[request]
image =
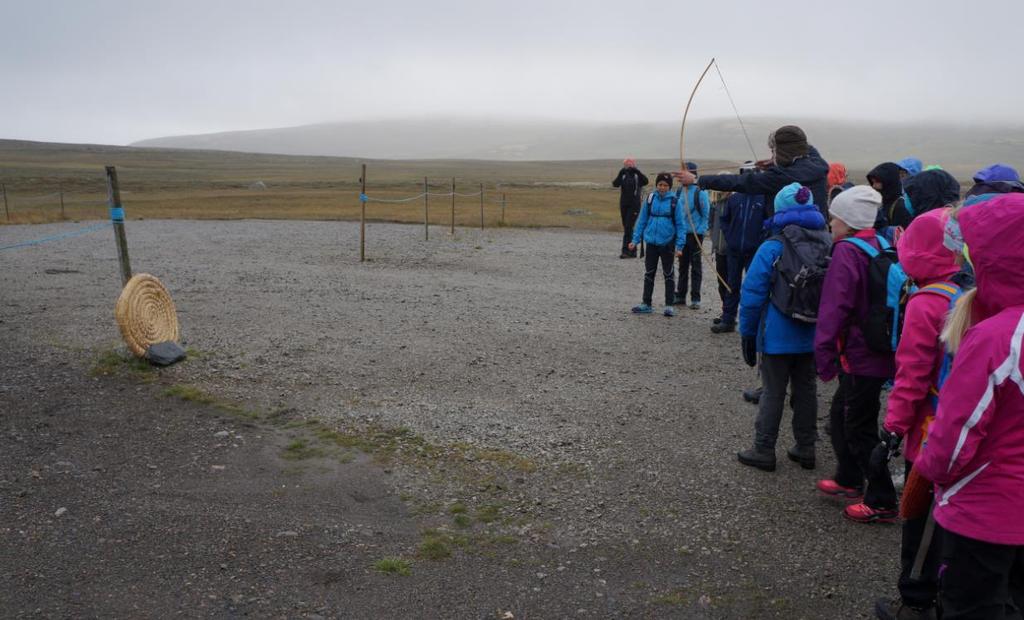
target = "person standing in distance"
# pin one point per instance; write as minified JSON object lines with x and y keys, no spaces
{"x":630,"y":182}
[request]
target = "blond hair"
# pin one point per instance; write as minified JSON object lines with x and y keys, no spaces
{"x":958,"y":321}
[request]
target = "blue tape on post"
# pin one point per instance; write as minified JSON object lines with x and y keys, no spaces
{"x":117,"y":214}
{"x":364,"y":198}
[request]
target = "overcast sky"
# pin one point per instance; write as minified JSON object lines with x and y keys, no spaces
{"x":115,"y":72}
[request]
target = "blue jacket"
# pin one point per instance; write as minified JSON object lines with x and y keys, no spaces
{"x":810,"y":171}
{"x":655,"y":224}
{"x":776,"y":333}
{"x":743,"y":222}
{"x":700,"y":209}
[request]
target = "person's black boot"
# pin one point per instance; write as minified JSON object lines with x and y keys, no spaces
{"x":802,"y":455}
{"x":753,"y":395}
{"x":723,"y":328}
{"x":757,"y":457}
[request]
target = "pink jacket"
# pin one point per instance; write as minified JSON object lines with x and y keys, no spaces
{"x":920,"y":354}
{"x":975,"y":448}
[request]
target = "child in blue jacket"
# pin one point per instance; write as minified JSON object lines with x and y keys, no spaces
{"x":786,"y":344}
{"x":696,"y":209}
{"x":659,"y":224}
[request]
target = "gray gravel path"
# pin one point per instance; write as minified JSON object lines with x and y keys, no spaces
{"x":615,"y":435}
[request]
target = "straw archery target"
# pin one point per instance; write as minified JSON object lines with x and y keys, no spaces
{"x":145,"y":313}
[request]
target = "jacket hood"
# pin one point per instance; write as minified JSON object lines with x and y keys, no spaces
{"x":932,"y":189}
{"x":921,"y":250}
{"x":808,"y":169}
{"x":912,"y":165}
{"x":889,"y":174}
{"x":836,"y":174}
{"x":994,"y":235}
{"x":804,"y":216}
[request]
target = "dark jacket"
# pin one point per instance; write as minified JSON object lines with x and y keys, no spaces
{"x":629,"y":181}
{"x":931,"y":189}
{"x":892,"y":212}
{"x":743,"y":222}
{"x":810,"y":171}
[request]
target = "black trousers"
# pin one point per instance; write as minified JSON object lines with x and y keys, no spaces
{"x":778,"y":372}
{"x":854,"y":420}
{"x":666,"y":255}
{"x":722,"y":265}
{"x":690,"y":269}
{"x":629,"y":214}
{"x":980,"y":579}
{"x":920,"y":593}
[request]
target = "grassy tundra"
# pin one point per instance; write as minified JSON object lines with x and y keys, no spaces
{"x":168,"y":183}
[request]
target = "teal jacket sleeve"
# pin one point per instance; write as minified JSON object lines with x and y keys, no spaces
{"x":757,"y":284}
{"x":680,"y":224}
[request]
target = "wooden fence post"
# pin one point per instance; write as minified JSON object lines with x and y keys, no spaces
{"x":502,"y":208}
{"x":117,"y":218}
{"x":453,"y":206}
{"x":426,"y":210}
{"x":8,"y":211}
{"x":60,"y":187}
{"x":362,"y":216}
{"x":481,"y":206}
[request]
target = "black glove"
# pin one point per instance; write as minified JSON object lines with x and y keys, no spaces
{"x":748,"y":345}
{"x":891,"y":441}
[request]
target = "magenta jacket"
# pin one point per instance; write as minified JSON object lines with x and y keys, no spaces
{"x":844,"y":305}
{"x":920,"y":354}
{"x":975,"y":448}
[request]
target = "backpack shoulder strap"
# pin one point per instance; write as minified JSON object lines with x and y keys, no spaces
{"x":882,"y":242}
{"x":948,"y":290}
{"x":863,"y":245}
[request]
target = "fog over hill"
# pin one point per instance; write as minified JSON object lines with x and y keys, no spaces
{"x":856,"y":143}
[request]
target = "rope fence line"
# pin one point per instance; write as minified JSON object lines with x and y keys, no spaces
{"x":58,"y":237}
{"x":426,"y":194}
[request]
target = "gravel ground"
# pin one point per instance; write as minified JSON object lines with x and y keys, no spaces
{"x":497,"y":372}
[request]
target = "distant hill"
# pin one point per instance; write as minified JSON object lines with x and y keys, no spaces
{"x":860,"y":144}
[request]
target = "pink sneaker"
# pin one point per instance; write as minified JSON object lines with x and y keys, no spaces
{"x":831,"y":488}
{"x":862,"y":513}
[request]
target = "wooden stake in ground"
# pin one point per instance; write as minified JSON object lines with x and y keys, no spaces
{"x":502,"y":208}
{"x":426,"y":210}
{"x":60,"y":188}
{"x":8,"y":211}
{"x":117,"y":219}
{"x":481,"y":206}
{"x":362,"y":216}
{"x":453,"y":206}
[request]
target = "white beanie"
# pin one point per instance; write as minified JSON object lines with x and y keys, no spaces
{"x":857,"y":206}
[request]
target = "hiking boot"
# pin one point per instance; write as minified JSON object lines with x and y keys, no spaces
{"x":757,"y":457}
{"x":625,"y":255}
{"x":723,"y":328}
{"x":695,"y":304}
{"x":896,"y":610}
{"x":862,"y":513}
{"x":679,"y":301}
{"x":753,"y":396}
{"x":716,"y":320}
{"x":831,"y":487}
{"x":642,"y":309}
{"x":669,"y":311}
{"x":804,"y":456}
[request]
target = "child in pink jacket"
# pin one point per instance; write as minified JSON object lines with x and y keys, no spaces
{"x":919,"y":358}
{"x":974,"y":451}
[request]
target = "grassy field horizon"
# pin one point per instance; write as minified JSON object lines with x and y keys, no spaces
{"x":192,"y":184}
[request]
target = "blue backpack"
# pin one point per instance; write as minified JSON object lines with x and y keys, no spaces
{"x":889,"y":288}
{"x":952,"y":293}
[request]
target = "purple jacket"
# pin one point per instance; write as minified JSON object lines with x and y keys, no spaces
{"x":844,"y":306}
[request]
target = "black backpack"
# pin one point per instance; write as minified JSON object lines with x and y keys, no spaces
{"x":889,"y":288}
{"x":799,"y":272}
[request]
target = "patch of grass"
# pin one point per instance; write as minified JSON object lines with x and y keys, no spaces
{"x":112,"y":362}
{"x":300,"y":449}
{"x":192,"y":394}
{"x":435,"y":548}
{"x":196,"y":354}
{"x":488,"y":513}
{"x":457,"y":508}
{"x":393,"y":566}
{"x":462,"y":521}
{"x":506,"y":459}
